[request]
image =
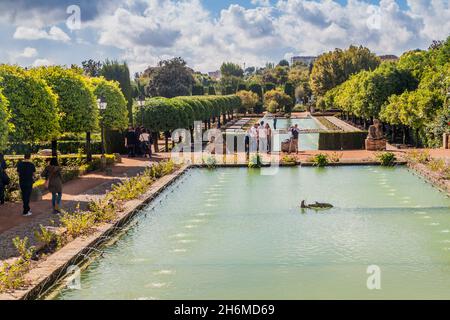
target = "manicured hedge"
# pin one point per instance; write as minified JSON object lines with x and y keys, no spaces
{"x":162,"y":114}
{"x":64,"y":147}
{"x":337,"y":140}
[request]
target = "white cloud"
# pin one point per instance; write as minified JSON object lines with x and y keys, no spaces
{"x":29,"y":52}
{"x":145,"y":31}
{"x":28,"y":33}
{"x":263,"y":3}
{"x":42,"y":62}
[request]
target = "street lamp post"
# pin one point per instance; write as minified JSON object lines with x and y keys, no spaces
{"x":102,"y":104}
{"x":141,"y":104}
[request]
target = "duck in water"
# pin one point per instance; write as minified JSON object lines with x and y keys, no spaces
{"x":316,"y":206}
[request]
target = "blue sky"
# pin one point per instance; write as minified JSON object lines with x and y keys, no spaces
{"x":208,"y":32}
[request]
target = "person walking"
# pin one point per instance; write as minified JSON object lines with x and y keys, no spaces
{"x":295,"y":131}
{"x":54,"y":183}
{"x":130,"y":142}
{"x":26,"y":171}
{"x":146,"y":143}
{"x":4,"y":179}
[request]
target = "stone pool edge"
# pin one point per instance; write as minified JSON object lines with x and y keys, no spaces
{"x":48,"y":272}
{"x":433,"y":178}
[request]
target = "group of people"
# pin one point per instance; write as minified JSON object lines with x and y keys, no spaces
{"x":259,"y":138}
{"x":138,"y":142}
{"x":26,"y":171}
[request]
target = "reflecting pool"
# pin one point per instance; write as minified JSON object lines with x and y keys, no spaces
{"x":236,"y":234}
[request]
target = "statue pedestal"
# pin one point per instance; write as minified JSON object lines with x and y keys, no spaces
{"x":376,"y":145}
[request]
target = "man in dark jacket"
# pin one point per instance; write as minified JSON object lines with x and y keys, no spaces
{"x":26,"y":170}
{"x":130,"y":142}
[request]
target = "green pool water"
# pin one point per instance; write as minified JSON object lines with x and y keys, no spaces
{"x":236,"y":234}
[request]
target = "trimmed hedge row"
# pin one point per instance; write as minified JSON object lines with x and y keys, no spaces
{"x":65,"y":147}
{"x":163,"y":114}
{"x":337,"y":140}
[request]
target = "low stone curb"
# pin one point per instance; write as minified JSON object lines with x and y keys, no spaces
{"x":47,"y":272}
{"x":433,"y":178}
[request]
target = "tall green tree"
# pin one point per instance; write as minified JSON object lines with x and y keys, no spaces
{"x":115,"y":117}
{"x":230,"y":69}
{"x":76,"y":101}
{"x":170,"y":79}
{"x":113,"y":70}
{"x":334,"y":68}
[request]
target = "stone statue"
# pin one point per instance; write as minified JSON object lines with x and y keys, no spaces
{"x":376,"y":140}
{"x":376,"y":131}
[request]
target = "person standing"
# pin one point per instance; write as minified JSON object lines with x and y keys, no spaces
{"x":295,"y":131}
{"x":130,"y":142}
{"x":146,"y":143}
{"x":53,"y":177}
{"x":26,"y":171}
{"x":253,"y":139}
{"x":275,"y":123}
{"x":269,"y":138}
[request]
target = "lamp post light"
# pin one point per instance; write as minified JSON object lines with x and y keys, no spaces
{"x":141,"y":104}
{"x":102,"y":104}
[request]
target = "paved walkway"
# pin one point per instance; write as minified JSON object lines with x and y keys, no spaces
{"x":79,"y":191}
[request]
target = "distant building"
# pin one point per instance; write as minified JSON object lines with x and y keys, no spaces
{"x":307,"y":60}
{"x":215,"y":74}
{"x":388,"y":57}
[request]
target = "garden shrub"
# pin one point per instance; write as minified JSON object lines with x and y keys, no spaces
{"x":387,"y":159}
{"x":320,"y":160}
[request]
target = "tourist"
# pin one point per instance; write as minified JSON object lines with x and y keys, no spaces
{"x":253,"y":146}
{"x":130,"y":142}
{"x":4,"y":179}
{"x":146,"y":143}
{"x":26,"y":170}
{"x":54,"y":183}
{"x":294,"y":131}
{"x":275,"y":123}
{"x":2,"y":161}
{"x":269,"y":138}
{"x":262,"y":138}
{"x":138,"y":145}
{"x":247,"y":140}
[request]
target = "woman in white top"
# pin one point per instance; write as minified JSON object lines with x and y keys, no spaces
{"x":144,"y":138}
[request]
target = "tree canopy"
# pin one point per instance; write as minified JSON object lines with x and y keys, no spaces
{"x":4,"y":117}
{"x":32,"y":105}
{"x":170,"y":79}
{"x":115,"y":116}
{"x":76,"y":102}
{"x":333,"y":68}
{"x":113,"y":70}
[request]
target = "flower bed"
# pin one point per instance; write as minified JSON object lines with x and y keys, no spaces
{"x":73,"y":166}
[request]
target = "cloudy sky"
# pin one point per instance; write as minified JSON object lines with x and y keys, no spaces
{"x":207,"y":32}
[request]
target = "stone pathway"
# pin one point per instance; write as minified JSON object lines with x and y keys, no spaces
{"x":76,"y":192}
